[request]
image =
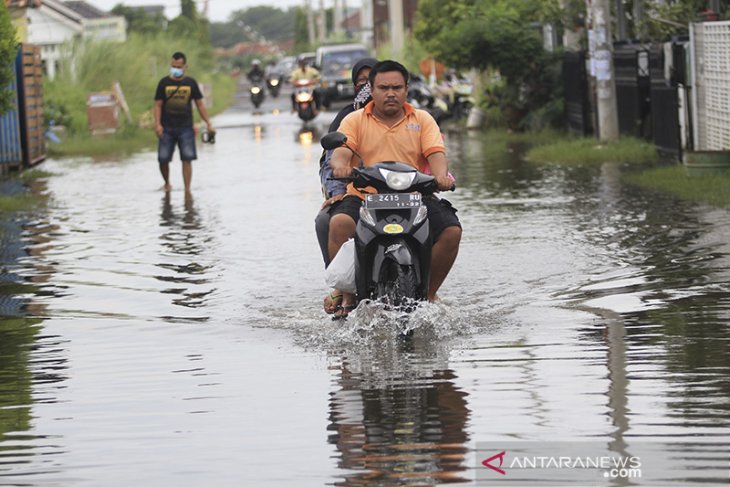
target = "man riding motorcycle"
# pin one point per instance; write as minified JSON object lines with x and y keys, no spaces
{"x":304,"y":72}
{"x":389,"y":129}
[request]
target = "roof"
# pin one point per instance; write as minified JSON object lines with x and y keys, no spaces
{"x":22,"y":3}
{"x":86,"y":10}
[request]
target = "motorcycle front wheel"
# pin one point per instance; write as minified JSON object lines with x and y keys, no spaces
{"x":397,"y":287}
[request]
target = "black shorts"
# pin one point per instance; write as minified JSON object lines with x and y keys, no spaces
{"x":441,"y":213}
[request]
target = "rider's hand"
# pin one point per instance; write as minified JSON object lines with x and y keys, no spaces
{"x":444,"y":183}
{"x":342,"y":172}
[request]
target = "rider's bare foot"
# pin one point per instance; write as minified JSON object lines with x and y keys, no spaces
{"x":166,"y":188}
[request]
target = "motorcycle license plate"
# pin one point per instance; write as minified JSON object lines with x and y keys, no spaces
{"x":392,"y":201}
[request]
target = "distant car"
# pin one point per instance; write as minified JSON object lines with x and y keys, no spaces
{"x":286,"y":65}
{"x":335,"y":68}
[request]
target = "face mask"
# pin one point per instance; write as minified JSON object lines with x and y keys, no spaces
{"x":176,"y":72}
{"x":362,"y":96}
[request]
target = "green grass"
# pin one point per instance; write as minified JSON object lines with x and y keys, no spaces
{"x":20,"y":202}
{"x":573,"y":151}
{"x":711,"y":190}
{"x":33,"y":174}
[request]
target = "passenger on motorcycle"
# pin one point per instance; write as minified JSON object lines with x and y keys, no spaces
{"x":334,"y":190}
{"x":389,"y":129}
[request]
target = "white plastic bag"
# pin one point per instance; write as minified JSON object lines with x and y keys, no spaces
{"x":340,"y":274}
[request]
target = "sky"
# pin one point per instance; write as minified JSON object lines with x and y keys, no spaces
{"x":219,"y":9}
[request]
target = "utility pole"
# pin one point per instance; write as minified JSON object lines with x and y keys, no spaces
{"x":395,"y":16}
{"x":310,"y":22}
{"x":337,"y":18}
{"x":366,"y":22}
{"x":602,"y":68}
{"x":321,"y":23}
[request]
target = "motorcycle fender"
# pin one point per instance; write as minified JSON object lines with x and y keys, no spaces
{"x":399,"y":252}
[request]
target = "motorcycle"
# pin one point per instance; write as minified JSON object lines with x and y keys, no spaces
{"x":462,"y":101}
{"x":273,"y":83}
{"x":421,"y":96}
{"x":257,"y":93}
{"x":392,"y":238}
{"x":304,"y":99}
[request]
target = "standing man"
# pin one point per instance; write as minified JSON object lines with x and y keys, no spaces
{"x":174,"y":119}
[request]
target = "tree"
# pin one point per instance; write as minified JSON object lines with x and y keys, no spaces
{"x":140,"y":21}
{"x":496,"y":35}
{"x":8,"y":50}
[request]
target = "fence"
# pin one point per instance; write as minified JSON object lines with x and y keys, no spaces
{"x":711,"y":82}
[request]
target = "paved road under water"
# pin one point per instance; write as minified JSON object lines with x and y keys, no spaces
{"x":154,"y":339}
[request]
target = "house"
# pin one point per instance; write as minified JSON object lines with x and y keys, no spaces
{"x":51,"y":24}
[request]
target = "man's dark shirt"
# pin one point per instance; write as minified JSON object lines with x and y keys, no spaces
{"x":176,"y":97}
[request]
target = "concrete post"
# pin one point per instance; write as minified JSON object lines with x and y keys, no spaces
{"x":395,"y":16}
{"x":602,"y":69}
{"x":321,"y":23}
{"x":310,"y":22}
{"x":366,"y":24}
{"x":337,"y":18}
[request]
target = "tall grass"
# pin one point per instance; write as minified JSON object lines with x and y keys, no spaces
{"x":137,"y":64}
{"x":578,"y":151}
{"x":712,"y":190}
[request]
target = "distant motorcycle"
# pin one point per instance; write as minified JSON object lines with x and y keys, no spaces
{"x":273,"y":83}
{"x":421,"y":96}
{"x":462,"y":101}
{"x":257,"y":93}
{"x":304,"y":99}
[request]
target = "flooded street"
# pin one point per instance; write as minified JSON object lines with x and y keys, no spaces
{"x":153,"y":339}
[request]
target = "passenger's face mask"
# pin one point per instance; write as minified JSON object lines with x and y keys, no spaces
{"x":362,"y":95}
{"x":176,"y":72}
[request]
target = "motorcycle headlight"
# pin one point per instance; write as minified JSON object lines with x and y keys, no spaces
{"x":255,"y":90}
{"x":421,"y":215}
{"x":274,"y":82}
{"x":366,"y":216}
{"x":302,"y":97}
{"x":398,"y":181}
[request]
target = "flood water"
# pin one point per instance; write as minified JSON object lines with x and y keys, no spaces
{"x":152,"y":339}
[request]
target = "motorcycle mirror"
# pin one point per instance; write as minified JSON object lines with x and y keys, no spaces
{"x":333,"y":140}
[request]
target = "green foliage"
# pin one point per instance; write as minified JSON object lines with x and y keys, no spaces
{"x":8,"y":50}
{"x":301,"y":32}
{"x":665,"y":19}
{"x":496,"y":34}
{"x":139,"y":21}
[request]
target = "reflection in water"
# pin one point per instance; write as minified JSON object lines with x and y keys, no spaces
{"x":398,"y":418}
{"x":308,"y":135}
{"x":184,"y":236}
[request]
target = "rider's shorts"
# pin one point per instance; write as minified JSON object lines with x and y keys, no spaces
{"x":183,"y":137}
{"x":441,"y":213}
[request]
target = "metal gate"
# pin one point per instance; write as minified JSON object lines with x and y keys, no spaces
{"x":575,"y":82}
{"x":631,"y":68}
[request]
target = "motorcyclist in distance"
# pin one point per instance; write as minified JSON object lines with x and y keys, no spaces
{"x":255,"y":74}
{"x":304,"y":72}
